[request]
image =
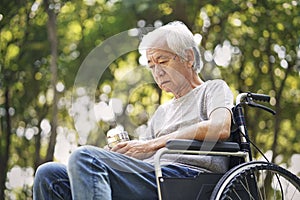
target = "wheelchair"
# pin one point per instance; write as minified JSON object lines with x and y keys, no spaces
{"x":245,"y":179}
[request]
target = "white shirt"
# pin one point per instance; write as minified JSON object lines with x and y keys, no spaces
{"x":194,"y":107}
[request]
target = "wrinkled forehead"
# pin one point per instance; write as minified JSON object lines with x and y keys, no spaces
{"x":158,"y":52}
{"x":157,"y":44}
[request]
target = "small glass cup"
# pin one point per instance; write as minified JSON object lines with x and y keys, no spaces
{"x":115,"y":136}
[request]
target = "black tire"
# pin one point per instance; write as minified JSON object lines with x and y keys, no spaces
{"x":248,"y":181}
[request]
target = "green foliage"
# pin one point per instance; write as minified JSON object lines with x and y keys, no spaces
{"x":260,"y":40}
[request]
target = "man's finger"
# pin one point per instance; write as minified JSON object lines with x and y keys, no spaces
{"x":119,"y":147}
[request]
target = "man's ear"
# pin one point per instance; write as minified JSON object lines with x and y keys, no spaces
{"x":190,"y":57}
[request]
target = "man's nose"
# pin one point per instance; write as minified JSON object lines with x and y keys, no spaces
{"x":159,"y":71}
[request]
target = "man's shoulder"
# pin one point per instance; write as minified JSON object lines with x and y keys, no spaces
{"x":209,"y":84}
{"x":216,"y":82}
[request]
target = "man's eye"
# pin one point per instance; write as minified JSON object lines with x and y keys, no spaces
{"x":163,"y":62}
{"x":150,"y":64}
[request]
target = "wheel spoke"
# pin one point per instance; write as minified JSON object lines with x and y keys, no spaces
{"x":258,"y":180}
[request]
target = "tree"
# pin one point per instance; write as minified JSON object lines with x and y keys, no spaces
{"x":51,"y":27}
{"x":13,"y":19}
{"x":252,"y":45}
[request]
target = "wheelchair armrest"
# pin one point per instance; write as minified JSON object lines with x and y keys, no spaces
{"x":179,"y":144}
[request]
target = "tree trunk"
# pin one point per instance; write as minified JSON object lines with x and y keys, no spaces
{"x":6,"y":145}
{"x":51,"y":28}
{"x":278,"y":108}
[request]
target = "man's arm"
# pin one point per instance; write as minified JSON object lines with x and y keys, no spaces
{"x":217,"y":127}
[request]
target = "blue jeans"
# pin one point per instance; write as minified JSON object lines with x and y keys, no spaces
{"x":94,"y":173}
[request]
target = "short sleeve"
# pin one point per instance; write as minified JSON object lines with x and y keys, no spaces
{"x":219,"y":95}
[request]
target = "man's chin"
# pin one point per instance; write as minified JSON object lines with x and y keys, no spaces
{"x":164,"y":88}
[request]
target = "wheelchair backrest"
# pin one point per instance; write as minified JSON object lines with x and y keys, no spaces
{"x":238,"y":123}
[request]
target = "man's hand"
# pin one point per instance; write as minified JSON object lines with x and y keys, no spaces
{"x":135,"y":148}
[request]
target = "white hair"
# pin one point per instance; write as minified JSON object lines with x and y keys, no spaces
{"x":177,"y":37}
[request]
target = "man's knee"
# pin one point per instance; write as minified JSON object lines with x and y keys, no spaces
{"x":81,"y":157}
{"x":45,"y":170}
{"x":50,"y":180}
{"x":87,"y":156}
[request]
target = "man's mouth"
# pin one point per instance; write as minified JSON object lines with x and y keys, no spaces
{"x":164,"y":82}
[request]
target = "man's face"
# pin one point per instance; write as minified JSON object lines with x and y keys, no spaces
{"x":169,"y":70}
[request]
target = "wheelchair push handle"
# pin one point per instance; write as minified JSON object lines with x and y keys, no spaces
{"x":260,"y":97}
{"x":248,"y":99}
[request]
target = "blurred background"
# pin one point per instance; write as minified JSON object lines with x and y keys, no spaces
{"x":252,"y":45}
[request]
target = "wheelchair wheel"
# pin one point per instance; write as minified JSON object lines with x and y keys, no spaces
{"x":257,"y":180}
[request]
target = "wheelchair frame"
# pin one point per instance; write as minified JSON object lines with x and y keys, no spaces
{"x":240,"y":149}
{"x":161,"y":152}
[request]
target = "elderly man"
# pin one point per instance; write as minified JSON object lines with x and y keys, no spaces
{"x":199,"y":110}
